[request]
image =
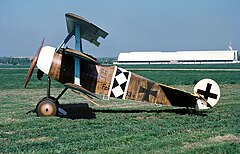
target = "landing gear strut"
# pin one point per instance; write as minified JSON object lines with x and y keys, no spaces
{"x":49,"y":106}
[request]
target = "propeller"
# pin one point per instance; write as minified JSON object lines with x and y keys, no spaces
{"x":33,"y":64}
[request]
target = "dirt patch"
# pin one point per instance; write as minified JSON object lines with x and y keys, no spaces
{"x":38,"y":139}
{"x":10,"y":132}
{"x":9,"y":120}
{"x":193,"y":145}
{"x":150,"y":118}
{"x":225,"y":138}
{"x":3,"y":139}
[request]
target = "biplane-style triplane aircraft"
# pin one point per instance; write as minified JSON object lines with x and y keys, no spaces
{"x":82,"y":73}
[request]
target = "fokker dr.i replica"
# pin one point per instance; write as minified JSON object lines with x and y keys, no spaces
{"x":81,"y":72}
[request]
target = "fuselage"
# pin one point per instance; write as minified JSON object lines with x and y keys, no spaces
{"x":110,"y":81}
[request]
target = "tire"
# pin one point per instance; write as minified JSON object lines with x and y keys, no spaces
{"x":47,"y":107}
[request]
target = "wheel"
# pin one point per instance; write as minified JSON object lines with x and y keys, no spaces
{"x":47,"y":107}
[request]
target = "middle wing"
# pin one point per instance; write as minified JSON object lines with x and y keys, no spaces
{"x":80,"y":89}
{"x":78,"y":54}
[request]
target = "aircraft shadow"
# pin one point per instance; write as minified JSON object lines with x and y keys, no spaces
{"x":78,"y":111}
{"x":181,"y":111}
{"x":84,"y":111}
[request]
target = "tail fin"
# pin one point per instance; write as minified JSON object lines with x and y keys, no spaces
{"x":208,"y":93}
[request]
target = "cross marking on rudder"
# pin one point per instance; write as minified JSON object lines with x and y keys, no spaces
{"x":207,"y":93}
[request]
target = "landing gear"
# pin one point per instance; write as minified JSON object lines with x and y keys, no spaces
{"x":47,"y":107}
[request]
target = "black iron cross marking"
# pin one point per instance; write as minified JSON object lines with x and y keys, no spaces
{"x":207,"y":93}
{"x":148,"y":91}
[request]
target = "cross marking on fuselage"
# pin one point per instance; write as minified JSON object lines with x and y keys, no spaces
{"x":207,"y":92}
{"x":147,"y":91}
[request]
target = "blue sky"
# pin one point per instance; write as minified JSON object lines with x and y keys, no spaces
{"x":133,"y":25}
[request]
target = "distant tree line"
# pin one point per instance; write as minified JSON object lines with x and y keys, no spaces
{"x":14,"y":61}
{"x":106,"y":60}
{"x":27,"y":61}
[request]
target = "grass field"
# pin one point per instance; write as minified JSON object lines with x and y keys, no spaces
{"x":120,"y":126}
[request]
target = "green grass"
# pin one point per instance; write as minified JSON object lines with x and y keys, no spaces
{"x":120,"y":126}
{"x":14,"y":78}
{"x":179,"y":77}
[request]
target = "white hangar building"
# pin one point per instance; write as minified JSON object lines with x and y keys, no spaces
{"x":179,"y":57}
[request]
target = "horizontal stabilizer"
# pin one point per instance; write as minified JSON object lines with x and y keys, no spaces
{"x":89,"y":31}
{"x":80,"y":89}
{"x":78,"y":54}
{"x":178,"y":97}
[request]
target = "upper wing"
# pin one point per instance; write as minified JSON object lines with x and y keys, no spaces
{"x":89,"y":31}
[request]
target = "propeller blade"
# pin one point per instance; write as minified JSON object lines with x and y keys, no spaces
{"x":33,"y":64}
